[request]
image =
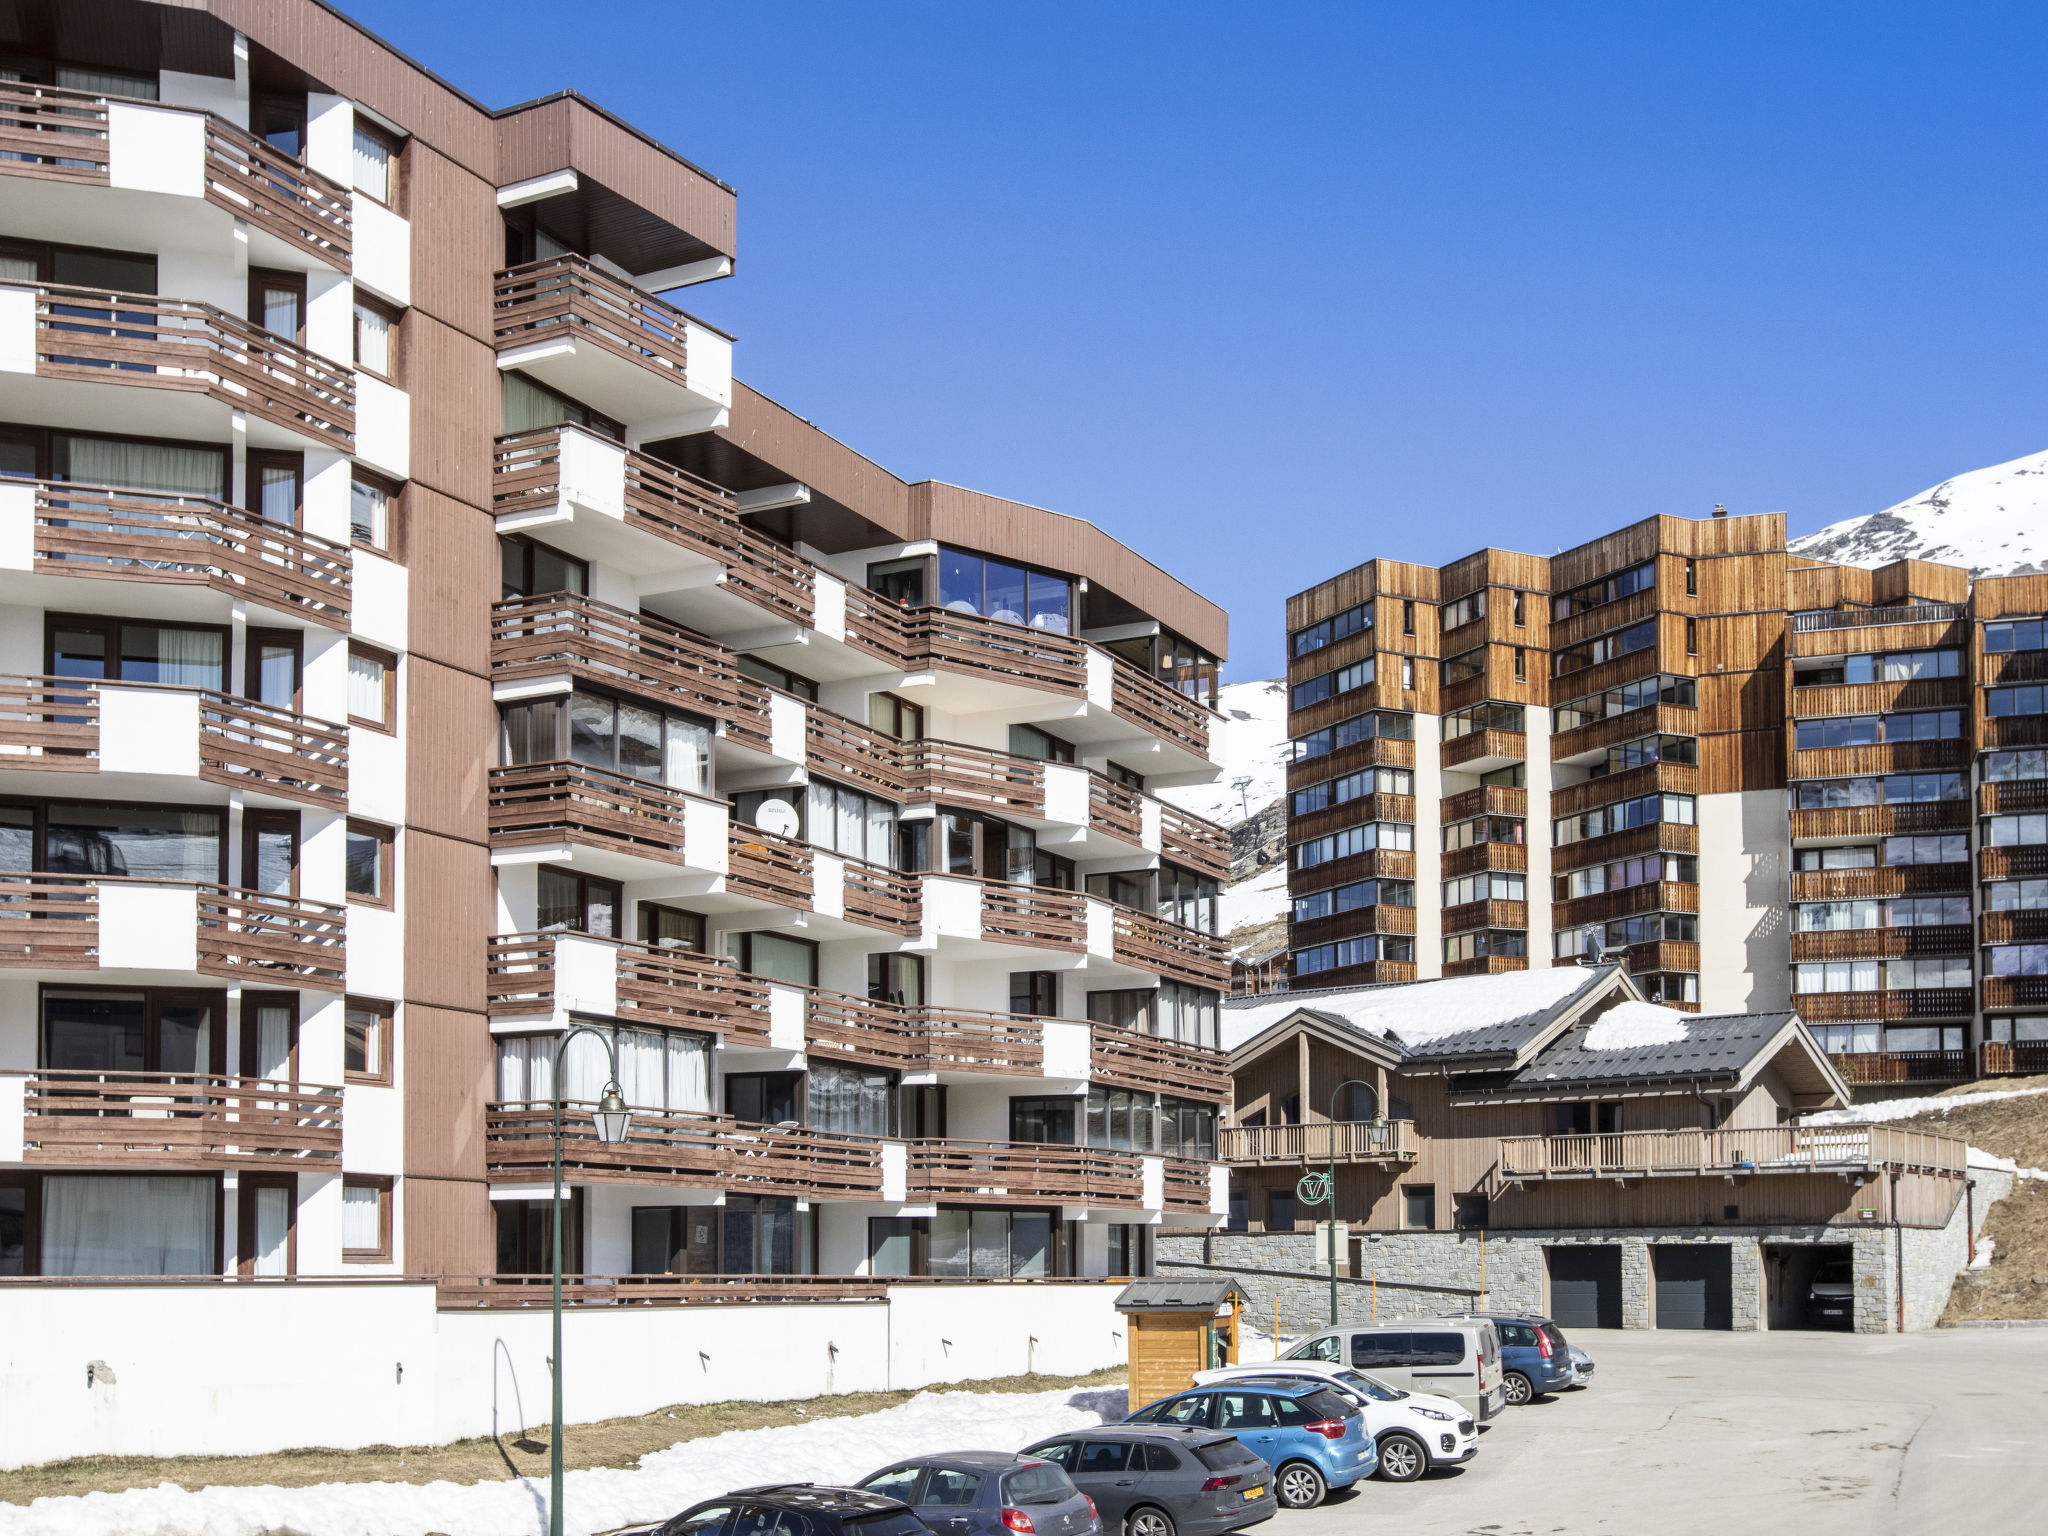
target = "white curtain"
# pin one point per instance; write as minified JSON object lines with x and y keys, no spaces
{"x":273,"y":1230}
{"x":274,"y":1044}
{"x":147,"y":1225}
{"x":643,"y":1068}
{"x":658,"y":1069}
{"x":144,"y":467}
{"x":362,"y":1216}
{"x":689,"y":1070}
{"x":366,"y":688}
{"x":686,"y":754}
{"x":17,"y":269}
{"x":188,"y":658}
{"x":372,"y":168}
{"x":822,"y":816}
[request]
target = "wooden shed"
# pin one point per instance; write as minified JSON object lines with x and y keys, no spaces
{"x":1175,"y":1328}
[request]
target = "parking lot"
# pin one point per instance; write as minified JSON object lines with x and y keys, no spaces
{"x":1748,"y":1434}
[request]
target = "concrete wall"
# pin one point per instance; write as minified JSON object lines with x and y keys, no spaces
{"x":393,"y":1370}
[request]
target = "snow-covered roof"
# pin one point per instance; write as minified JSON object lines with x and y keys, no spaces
{"x":1462,"y":1015}
{"x":1641,"y":1042}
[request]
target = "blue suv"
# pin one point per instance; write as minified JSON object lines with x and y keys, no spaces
{"x":1533,"y":1355}
{"x":1312,"y":1439}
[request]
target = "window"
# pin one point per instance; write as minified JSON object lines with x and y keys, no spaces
{"x":1607,"y":647}
{"x":1353,"y":786}
{"x":1045,"y":1121}
{"x":366,"y":1041}
{"x":2016,"y":635}
{"x":854,"y":1101}
{"x":945,"y":1486}
{"x":374,"y":168}
{"x":143,"y":841}
{"x":1407,"y":617}
{"x":853,"y":825}
{"x":370,"y":507}
{"x":131,"y":651}
{"x":2014,"y":960}
{"x":144,"y":1030}
{"x":658,"y":1068}
{"x":1692,"y":578}
{"x":1350,"y":622}
{"x":276,"y":486}
{"x":1608,"y":589}
{"x":2016,"y":896}
{"x":1519,"y":609}
{"x":1837,"y":976}
{"x":566,"y":900}
{"x":2007,"y":767}
{"x":1029,"y":741}
{"x":1483,"y":717}
{"x":368,"y":856}
{"x":1652,"y":749}
{"x":896,"y":978}
{"x":1692,"y":637}
{"x":365,"y":1218}
{"x":1845,"y":857}
{"x":1878,"y":667}
{"x":2014,"y":831}
{"x":116,"y":1224}
{"x":1187,"y":898}
{"x":1349,"y":952}
{"x":1173,"y":1011}
{"x":1644,"y":810}
{"x":1486,"y":886}
{"x":1952,"y":848}
{"x":1484,"y":944}
{"x":1922,"y":974}
{"x":1035,"y":994}
{"x":1010,"y":594}
{"x":896,"y":717}
{"x":671,"y":928}
{"x":1892,"y":789}
{"x":372,"y":687}
{"x":376,"y":337}
{"x":1329,"y":684}
{"x":776,"y":677}
{"x":1870,"y":730}
{"x":614,"y":735}
{"x":1177,"y":663}
{"x":1279,"y":1210}
{"x":1521,"y":664}
{"x":762,"y":1098}
{"x":1418,"y":1207}
{"x":1352,"y":841}
{"x":1475,"y":830}
{"x":1354,"y":897}
{"x":1664,"y":688}
{"x":1464,"y":610}
{"x":774,"y":957}
{"x":1121,"y":1119}
{"x":277,"y":303}
{"x":1407,"y":674}
{"x":532,"y":407}
{"x":2005,"y":1028}
{"x":1348,"y":733}
{"x":1466,"y":664}
{"x":528,"y":568}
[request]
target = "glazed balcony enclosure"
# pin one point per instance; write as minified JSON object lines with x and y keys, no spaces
{"x":166,"y":1120}
{"x":91,"y":169}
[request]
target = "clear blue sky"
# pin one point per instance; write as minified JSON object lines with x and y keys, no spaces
{"x":1267,"y":290}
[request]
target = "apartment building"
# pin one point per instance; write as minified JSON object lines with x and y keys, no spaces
{"x":1678,"y":745}
{"x":420,"y":645}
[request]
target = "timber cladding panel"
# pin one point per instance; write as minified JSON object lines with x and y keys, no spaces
{"x":449,"y":904}
{"x":451,"y":729}
{"x":463,"y":244}
{"x":453,"y":571}
{"x":448,"y":1064}
{"x":457,"y":406}
{"x":447,"y":1226}
{"x":1166,"y":1349}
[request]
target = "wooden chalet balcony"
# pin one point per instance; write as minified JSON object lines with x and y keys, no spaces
{"x":1906,"y":1003}
{"x":565,"y":635}
{"x":502,"y":1292}
{"x":1382,"y":917}
{"x":1660,"y":955}
{"x":2015,"y":991}
{"x":2025,"y":927}
{"x":1771,"y":1149}
{"x":1115,"y":810}
{"x":1865,"y":1068}
{"x":1370,"y":974}
{"x":548,"y":805}
{"x":1036,"y":916}
{"x":173,"y":1120}
{"x":1151,"y":705}
{"x":1129,"y":1058}
{"x":99,"y":533}
{"x":1482,"y":751}
{"x":688,"y":1148}
{"x":923,"y":639}
{"x":1998,"y":667}
{"x":1819,"y":620}
{"x":1656,"y":896}
{"x":1348,"y":1141}
{"x":2014,"y":731}
{"x":1883,"y":757}
{"x":1486,"y":965}
{"x":1629,"y":843}
{"x":1591,"y":740}
{"x":1883,"y":880}
{"x":2013,"y":795}
{"x":881,"y":897}
{"x":1823,"y":700}
{"x":2009,"y":1058}
{"x":2029,"y":863}
{"x":88,"y":336}
{"x":1931,"y":941}
{"x":769,"y":868}
{"x":646,"y":984}
{"x":1379,"y":752}
{"x":930,"y":1038}
{"x":1486,"y":800}
{"x":251,"y":937}
{"x":1847,"y":821}
{"x":600,"y":340}
{"x":922,"y":770}
{"x":51,"y":133}
{"x":50,"y":724}
{"x":1474,"y":915}
{"x":1609,"y":789}
{"x":1187,"y":954}
{"x":1029,"y":1173}
{"x":544,"y":476}
{"x":1510,"y":857}
{"x":1187,"y":839}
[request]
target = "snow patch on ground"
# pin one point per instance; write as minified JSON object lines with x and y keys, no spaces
{"x":1249,"y":743}
{"x":1900,"y":1109}
{"x":827,"y":1451}
{"x":1629,"y":1026}
{"x":1979,"y":1158}
{"x":1993,"y":520}
{"x":1421,"y":1011}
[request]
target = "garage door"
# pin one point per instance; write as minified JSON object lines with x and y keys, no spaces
{"x":1692,"y":1286}
{"x":1585,"y":1287}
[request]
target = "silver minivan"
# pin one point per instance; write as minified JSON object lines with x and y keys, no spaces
{"x":1456,"y":1359}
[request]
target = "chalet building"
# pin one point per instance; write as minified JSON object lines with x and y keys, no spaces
{"x":1757,"y":780}
{"x":1554,"y":1140}
{"x":420,"y":643}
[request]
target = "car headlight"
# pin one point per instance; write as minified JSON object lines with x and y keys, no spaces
{"x":1430,"y":1413}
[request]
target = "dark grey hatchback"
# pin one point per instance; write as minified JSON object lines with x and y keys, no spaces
{"x":1159,"y":1480}
{"x":988,"y":1493}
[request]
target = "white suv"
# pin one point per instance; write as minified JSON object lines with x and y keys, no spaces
{"x":1413,"y":1430}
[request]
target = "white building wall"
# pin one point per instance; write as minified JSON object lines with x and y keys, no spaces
{"x":1745,"y":929}
{"x":1537,"y":834}
{"x":1429,"y":846}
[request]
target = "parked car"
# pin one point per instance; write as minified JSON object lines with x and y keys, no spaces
{"x":1156,"y":1481}
{"x":793,"y":1509}
{"x":1412,"y":1431}
{"x":1313,"y":1439}
{"x":1582,"y":1368}
{"x":1533,"y":1354}
{"x":1831,"y":1295}
{"x":1455,"y":1359}
{"x":988,"y":1493}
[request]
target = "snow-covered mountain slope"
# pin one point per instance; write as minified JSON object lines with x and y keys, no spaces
{"x":1250,"y":745}
{"x":1995,"y":521}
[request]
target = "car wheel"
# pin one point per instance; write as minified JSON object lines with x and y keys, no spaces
{"x":1516,"y":1389}
{"x":1148,"y":1522}
{"x":1300,"y":1486}
{"x":1402,"y":1458}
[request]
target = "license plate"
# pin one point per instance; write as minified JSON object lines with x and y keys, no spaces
{"x":1256,"y":1493}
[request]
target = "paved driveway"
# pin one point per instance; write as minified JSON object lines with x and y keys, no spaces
{"x":1749,"y":1435}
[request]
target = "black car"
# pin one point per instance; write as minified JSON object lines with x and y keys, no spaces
{"x":794,"y":1509}
{"x":1160,"y":1480}
{"x":987,"y":1493}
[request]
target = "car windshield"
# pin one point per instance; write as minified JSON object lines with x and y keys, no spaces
{"x":1040,"y":1483}
{"x":1371,"y":1387}
{"x":1314,"y":1349}
{"x":1833,"y":1272}
{"x":896,"y":1522}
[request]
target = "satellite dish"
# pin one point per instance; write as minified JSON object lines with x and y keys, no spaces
{"x":777,"y":816}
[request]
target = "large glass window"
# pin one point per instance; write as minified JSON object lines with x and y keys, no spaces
{"x":1045,"y":1121}
{"x":1187,"y":898}
{"x":129,"y":1224}
{"x":1353,"y":897}
{"x":580,"y":903}
{"x":148,"y":843}
{"x":1620,"y":700}
{"x":993,"y":1244}
{"x":1121,"y":1119}
{"x":178,"y":655}
{"x":658,"y":1068}
{"x":613,"y":734}
{"x":1608,"y":589}
{"x":530,"y":406}
{"x":528,"y":568}
{"x":1013,"y":594}
{"x":1350,"y":622}
{"x":1349,"y":952}
{"x":858,"y":1101}
{"x":1349,"y":733}
{"x":853,"y":825}
{"x":793,"y":962}
{"x":1172,"y":1010}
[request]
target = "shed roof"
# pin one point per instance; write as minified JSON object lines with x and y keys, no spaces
{"x":1164,"y":1294}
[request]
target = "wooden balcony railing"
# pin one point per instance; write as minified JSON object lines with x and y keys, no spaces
{"x":1883,"y":757}
{"x":498,"y":1292}
{"x":2013,"y":795}
{"x":882,"y":897}
{"x":565,"y":295}
{"x":2014,"y":731}
{"x":1820,"y":701}
{"x":1882,"y":943}
{"x":1881,"y":880}
{"x":1376,"y":752}
{"x":1187,"y":954}
{"x":1628,"y":843}
{"x":1486,"y":965}
{"x":1860,"y":1068}
{"x":1348,"y":1141}
{"x":693,"y":1148}
{"x":845,"y":748}
{"x":98,"y":337}
{"x":1810,"y":620}
{"x":1906,"y":1003}
{"x":674,"y":505}
{"x":1037,"y":916}
{"x":1609,"y":789}
{"x":1656,"y":896}
{"x":2029,"y":863}
{"x":1187,"y":839}
{"x":658,"y":986}
{"x":1018,"y":1172}
{"x":1128,"y":1058}
{"x":1660,"y":955}
{"x":1164,"y":711}
{"x":922,"y":1039}
{"x":1509,"y":857}
{"x":548,"y":803}
{"x":1473,"y":745}
{"x":1771,"y":1149}
{"x":1486,"y":800}
{"x":2015,"y":991}
{"x":1114,"y":810}
{"x":1650,"y":720}
{"x":2027,"y":926}
{"x":533,"y":637}
{"x":767,"y":867}
{"x":1184,"y":1184}
{"x":98,"y":531}
{"x":253,"y":937}
{"x":916,"y":639}
{"x":167,"y":1120}
{"x":947,"y":770}
{"x":2009,"y":1058}
{"x":1881,"y":820}
{"x":57,"y":134}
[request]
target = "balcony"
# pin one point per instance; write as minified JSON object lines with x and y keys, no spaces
{"x":602,"y":341}
{"x":1486,"y":800}
{"x":764,"y":867}
{"x":1484,"y":751}
{"x":607,"y":822}
{"x":1610,"y":789}
{"x":1656,"y":896}
{"x":2013,"y":795}
{"x":1629,"y":843}
{"x":2029,"y":926}
{"x":118,"y":730}
{"x":167,"y":1120}
{"x":932,"y":1038}
{"x":1186,"y":839}
{"x":549,"y":975}
{"x":1862,"y":1069}
{"x":169,"y":368}
{"x":1816,"y":620}
{"x":543,"y":643}
{"x":1126,"y":1058}
{"x":686,"y":1148}
{"x":1931,"y":942}
{"x":1185,"y":954}
{"x":1474,"y":915}
{"x":1847,"y":822}
{"x":964,"y":644}
{"x":1882,"y":880}
{"x":2015,"y":992}
{"x":175,"y":929}
{"x":1509,"y":857}
{"x":1586,"y":744}
{"x":1158,"y":710}
{"x":2014,"y":731}
{"x":1880,"y":758}
{"x":1486,"y":965}
{"x":1906,"y":1003}
{"x":1017,"y":1172}
{"x":1320,"y":1141}
{"x":2023,"y":863}
{"x":1666,"y":955}
{"x":1033,"y":916}
{"x":190,"y":177}
{"x":516,"y":1291}
{"x":1695,"y":1154}
{"x":2011,"y":1058}
{"x":599,"y":501}
{"x":1820,"y":700}
{"x":220,"y":554}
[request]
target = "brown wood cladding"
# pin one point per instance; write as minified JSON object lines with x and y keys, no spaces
{"x":1632,"y":842}
{"x":451,"y":730}
{"x":1651,"y":778}
{"x":452,"y":578}
{"x":1394,"y":863}
{"x":1466,"y":861}
{"x":449,"y":276}
{"x":457,"y":406}
{"x":1998,"y":597}
{"x":1379,"y":752}
{"x":449,"y":910}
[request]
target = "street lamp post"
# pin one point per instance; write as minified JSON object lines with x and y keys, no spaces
{"x":1316,"y":1188}
{"x":612,"y":1118}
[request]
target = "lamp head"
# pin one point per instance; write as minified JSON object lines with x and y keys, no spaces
{"x":611,"y":1115}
